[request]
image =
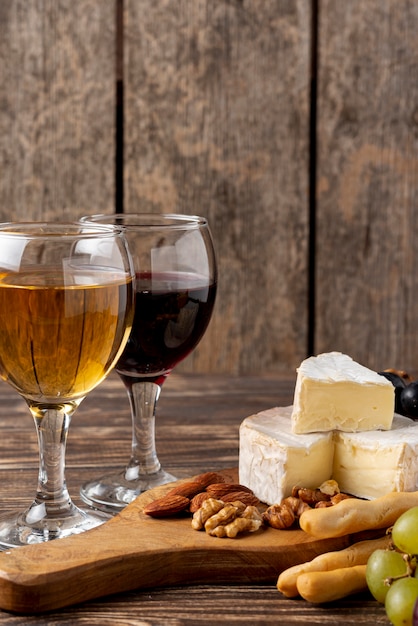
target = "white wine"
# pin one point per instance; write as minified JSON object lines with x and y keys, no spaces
{"x":58,"y":340}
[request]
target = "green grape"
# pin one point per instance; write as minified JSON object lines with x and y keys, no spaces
{"x":405,"y":531}
{"x":383,"y":564}
{"x":400,"y":601}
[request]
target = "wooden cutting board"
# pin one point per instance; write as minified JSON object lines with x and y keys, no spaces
{"x":134,"y":551}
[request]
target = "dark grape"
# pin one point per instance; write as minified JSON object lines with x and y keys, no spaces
{"x":409,"y":400}
{"x":415,"y":614}
{"x":399,"y":383}
{"x":395,"y":379}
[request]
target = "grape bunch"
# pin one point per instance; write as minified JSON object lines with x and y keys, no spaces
{"x":406,"y":392}
{"x":392,"y":574}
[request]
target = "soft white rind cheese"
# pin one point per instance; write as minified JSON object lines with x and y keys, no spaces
{"x":333,"y":392}
{"x":371,"y":464}
{"x":272,"y":459}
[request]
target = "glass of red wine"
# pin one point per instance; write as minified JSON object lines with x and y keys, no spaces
{"x":175,"y":286}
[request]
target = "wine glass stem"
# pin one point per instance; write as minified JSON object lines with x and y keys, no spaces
{"x":52,"y":494}
{"x":143,"y":397}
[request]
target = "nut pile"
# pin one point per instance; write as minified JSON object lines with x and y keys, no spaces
{"x":226,"y":519}
{"x":189,"y":496}
{"x":226,"y":509}
{"x":284,"y":514}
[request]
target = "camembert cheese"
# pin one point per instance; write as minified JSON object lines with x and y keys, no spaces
{"x":272,"y":459}
{"x":333,"y":392}
{"x":371,"y":464}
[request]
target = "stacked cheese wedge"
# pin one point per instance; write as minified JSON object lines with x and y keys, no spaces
{"x":341,"y":425}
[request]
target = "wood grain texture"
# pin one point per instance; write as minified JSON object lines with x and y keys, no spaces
{"x":197,"y":430}
{"x":135,"y":551}
{"x":57,"y":84}
{"x":367,"y":227}
{"x":216,"y":123}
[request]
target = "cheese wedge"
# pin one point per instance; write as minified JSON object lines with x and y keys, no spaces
{"x":272,"y":459}
{"x":371,"y":464}
{"x":333,"y":392}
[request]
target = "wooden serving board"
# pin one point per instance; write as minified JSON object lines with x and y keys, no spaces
{"x":133,"y":551}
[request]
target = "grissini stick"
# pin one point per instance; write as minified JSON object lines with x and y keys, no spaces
{"x":319,"y":587}
{"x":357,"y":554}
{"x":354,"y":515}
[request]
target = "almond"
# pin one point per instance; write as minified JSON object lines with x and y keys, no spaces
{"x":208,"y":478}
{"x":217,"y":490}
{"x":245,"y":497}
{"x":188,"y":490}
{"x":166,"y":506}
{"x":198,"y":500}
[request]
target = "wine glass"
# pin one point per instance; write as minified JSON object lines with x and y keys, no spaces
{"x":176,"y":278}
{"x":66,"y":309}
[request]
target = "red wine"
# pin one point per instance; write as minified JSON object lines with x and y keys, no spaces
{"x":172,"y":311}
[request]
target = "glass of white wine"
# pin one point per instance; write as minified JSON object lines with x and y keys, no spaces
{"x":66,"y":310}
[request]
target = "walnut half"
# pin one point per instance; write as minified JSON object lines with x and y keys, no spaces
{"x":226,"y":519}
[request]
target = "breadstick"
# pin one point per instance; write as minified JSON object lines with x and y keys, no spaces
{"x":357,"y":554}
{"x":353,"y":515}
{"x":321,"y":587}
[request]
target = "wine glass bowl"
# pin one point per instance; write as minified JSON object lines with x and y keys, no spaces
{"x":175,"y":289}
{"x":66,"y":309}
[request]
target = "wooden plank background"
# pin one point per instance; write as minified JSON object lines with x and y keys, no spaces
{"x":367,"y":219}
{"x":217,"y":121}
{"x":57,"y":101}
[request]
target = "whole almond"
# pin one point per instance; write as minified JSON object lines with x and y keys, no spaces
{"x":208,"y":478}
{"x":188,"y":490}
{"x":245,"y":497}
{"x":166,"y":506}
{"x":197,"y":501}
{"x":217,"y":490}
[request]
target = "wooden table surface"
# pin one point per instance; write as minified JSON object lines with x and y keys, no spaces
{"x":197,"y":431}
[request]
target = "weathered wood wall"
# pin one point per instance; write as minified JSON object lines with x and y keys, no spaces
{"x":57,"y":108}
{"x":367,"y":190}
{"x":217,"y":121}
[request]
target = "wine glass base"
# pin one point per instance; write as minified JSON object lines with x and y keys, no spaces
{"x":18,"y":530}
{"x":113,"y":492}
